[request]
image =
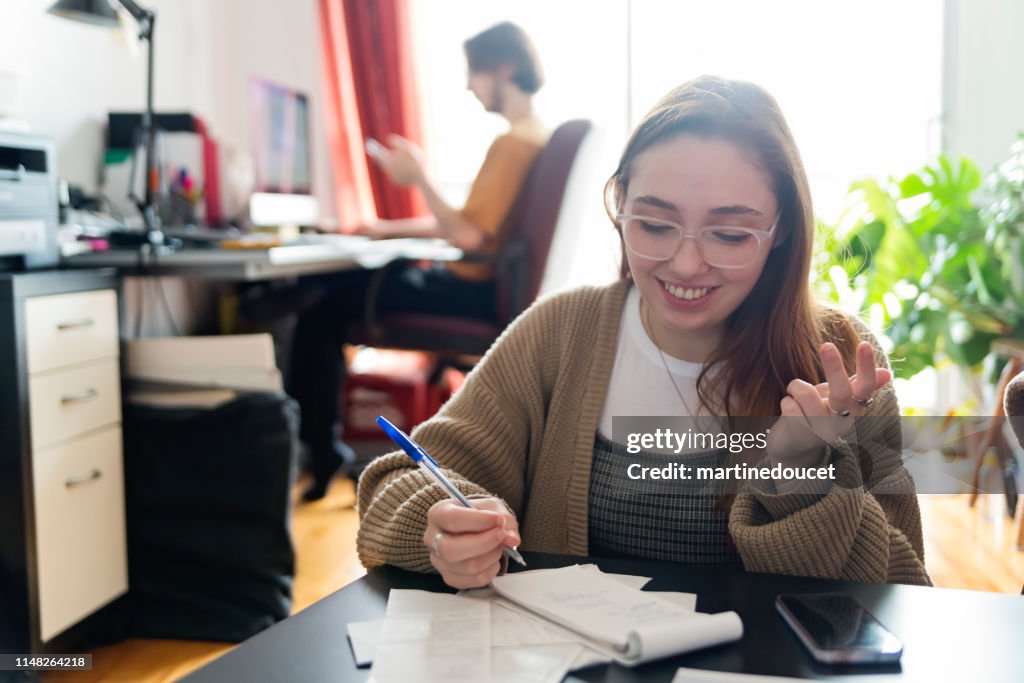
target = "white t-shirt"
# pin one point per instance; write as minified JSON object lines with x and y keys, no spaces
{"x":639,"y":384}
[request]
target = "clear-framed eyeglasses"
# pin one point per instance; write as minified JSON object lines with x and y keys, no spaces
{"x":658,"y":239}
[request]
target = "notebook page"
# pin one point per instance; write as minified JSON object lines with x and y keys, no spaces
{"x":587,"y":602}
{"x":631,"y":625}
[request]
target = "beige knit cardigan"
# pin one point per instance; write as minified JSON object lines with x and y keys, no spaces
{"x":522,"y":428}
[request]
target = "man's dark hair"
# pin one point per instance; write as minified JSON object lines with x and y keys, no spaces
{"x":502,"y":44}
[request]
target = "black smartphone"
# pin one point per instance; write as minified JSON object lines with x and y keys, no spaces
{"x":837,"y":629}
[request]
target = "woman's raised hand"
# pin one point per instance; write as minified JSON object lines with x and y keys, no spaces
{"x":816,"y":414}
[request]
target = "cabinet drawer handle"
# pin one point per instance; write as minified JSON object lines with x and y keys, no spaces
{"x":81,"y":397}
{"x":75,"y":324}
{"x":71,"y":482}
{"x":15,"y":174}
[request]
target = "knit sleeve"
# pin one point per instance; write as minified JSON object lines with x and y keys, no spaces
{"x":482,"y":438}
{"x":865,"y":527}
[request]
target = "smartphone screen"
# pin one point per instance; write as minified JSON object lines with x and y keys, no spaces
{"x":837,"y":628}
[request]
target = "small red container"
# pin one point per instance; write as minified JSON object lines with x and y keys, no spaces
{"x":395,"y":384}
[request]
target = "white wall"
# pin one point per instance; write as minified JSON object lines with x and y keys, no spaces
{"x":984,"y":95}
{"x":278,"y":40}
{"x":73,"y":74}
{"x":205,"y":51}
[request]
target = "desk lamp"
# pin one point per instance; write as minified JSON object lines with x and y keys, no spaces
{"x":101,"y":13}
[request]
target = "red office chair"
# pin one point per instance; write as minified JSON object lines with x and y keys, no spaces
{"x":519,"y":267}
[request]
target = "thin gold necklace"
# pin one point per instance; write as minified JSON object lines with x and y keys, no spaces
{"x":664,"y":363}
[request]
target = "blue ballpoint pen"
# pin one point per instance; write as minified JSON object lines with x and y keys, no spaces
{"x":430,"y":466}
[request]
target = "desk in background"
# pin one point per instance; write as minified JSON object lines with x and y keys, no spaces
{"x":310,"y":255}
{"x":201,"y":274}
{"x":948,"y":635}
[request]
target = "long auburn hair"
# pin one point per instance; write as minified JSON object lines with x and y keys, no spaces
{"x":774,"y":335}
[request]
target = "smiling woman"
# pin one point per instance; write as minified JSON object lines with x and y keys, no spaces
{"x":695,"y":286}
{"x":712,"y":328}
{"x":715,"y":152}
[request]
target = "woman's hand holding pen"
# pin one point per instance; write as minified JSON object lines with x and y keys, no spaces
{"x":826,"y":409}
{"x":466,"y":544}
{"x":466,"y":537}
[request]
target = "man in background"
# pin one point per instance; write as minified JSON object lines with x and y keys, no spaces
{"x":504,"y":74}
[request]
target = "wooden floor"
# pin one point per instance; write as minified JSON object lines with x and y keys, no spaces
{"x":963,"y":548}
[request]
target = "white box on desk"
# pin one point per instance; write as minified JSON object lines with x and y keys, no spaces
{"x":243,"y":361}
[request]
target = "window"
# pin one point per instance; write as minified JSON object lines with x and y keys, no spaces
{"x":860,"y":83}
{"x":582,"y":51}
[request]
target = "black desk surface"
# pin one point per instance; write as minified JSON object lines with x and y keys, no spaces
{"x":948,"y":635}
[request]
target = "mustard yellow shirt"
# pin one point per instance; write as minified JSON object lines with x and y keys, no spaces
{"x":496,"y":187}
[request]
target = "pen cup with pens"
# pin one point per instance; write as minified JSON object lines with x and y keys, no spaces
{"x":182,"y":199}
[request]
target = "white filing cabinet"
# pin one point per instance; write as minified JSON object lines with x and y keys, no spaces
{"x":62,"y":504}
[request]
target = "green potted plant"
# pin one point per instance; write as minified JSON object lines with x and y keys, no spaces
{"x":941,"y":276}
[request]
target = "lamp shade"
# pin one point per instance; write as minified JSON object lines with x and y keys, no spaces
{"x":96,"y":12}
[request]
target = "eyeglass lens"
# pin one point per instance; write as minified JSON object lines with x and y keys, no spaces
{"x":726,"y":247}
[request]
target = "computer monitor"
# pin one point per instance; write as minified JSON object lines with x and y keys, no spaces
{"x":279,"y":127}
{"x":280,"y":137}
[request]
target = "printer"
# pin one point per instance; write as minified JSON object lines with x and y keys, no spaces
{"x":28,"y":202}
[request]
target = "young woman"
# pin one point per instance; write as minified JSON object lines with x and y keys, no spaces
{"x":714,"y":317}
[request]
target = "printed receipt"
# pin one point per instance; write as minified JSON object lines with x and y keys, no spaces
{"x":631,"y":625}
{"x":434,"y":638}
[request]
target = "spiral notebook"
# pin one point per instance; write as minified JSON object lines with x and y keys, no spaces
{"x":627,"y":624}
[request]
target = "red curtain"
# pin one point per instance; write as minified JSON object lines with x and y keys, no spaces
{"x":344,"y":136}
{"x":370,"y":91}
